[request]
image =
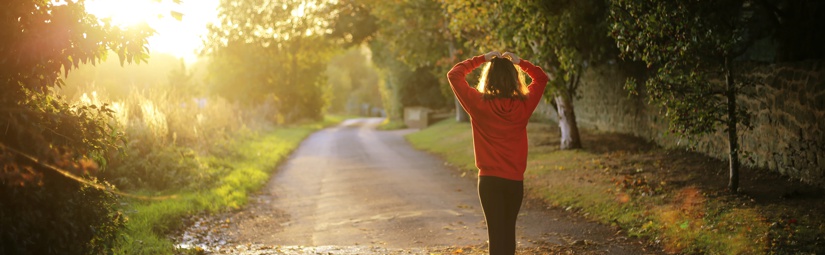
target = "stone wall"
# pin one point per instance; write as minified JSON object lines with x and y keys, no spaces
{"x":787,"y":103}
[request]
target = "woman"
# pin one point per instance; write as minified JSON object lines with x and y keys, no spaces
{"x":499,"y":109}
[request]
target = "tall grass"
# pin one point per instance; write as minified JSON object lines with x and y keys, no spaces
{"x":196,"y":154}
{"x":151,"y":221}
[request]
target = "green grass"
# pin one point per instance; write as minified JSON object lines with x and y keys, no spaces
{"x":449,"y":139}
{"x":614,"y":188}
{"x":391,"y":124}
{"x":254,"y":160}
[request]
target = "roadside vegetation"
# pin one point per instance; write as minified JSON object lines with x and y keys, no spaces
{"x":100,"y":156}
{"x":246,"y":167}
{"x":670,"y":199}
{"x":106,"y":147}
{"x":183,"y":155}
{"x":389,"y":124}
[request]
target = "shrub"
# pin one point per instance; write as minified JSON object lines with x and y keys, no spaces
{"x":42,"y":211}
{"x":168,"y":137}
{"x":61,"y":216}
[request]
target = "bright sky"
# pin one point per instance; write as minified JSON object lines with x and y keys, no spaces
{"x":179,"y":38}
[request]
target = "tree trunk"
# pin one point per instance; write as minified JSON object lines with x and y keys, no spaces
{"x":733,"y":143}
{"x":460,"y":114}
{"x":567,"y":121}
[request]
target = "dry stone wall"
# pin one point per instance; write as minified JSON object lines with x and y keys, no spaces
{"x":787,"y":101}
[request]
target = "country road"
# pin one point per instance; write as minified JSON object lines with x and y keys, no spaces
{"x":352,"y":189}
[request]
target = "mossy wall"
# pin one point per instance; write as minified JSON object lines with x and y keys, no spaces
{"x":787,"y":102}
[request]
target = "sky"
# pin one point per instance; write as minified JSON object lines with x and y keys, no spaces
{"x":179,"y":38}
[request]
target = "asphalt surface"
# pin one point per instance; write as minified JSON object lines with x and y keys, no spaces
{"x":352,"y":189}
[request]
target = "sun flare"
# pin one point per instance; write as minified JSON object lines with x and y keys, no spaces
{"x":125,"y":12}
{"x":174,"y":35}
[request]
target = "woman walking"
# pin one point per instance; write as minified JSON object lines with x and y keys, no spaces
{"x":499,"y":109}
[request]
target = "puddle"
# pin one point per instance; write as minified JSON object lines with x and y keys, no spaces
{"x":208,"y":234}
{"x":258,"y":249}
{"x":205,"y":233}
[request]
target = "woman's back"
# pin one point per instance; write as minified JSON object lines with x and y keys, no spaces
{"x":499,"y":110}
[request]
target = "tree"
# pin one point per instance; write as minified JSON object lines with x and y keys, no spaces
{"x":352,"y":22}
{"x":563,"y":36}
{"x":353,"y":82}
{"x":412,"y":44}
{"x":273,"y":51}
{"x":181,"y":81}
{"x":108,"y":77}
{"x":50,"y":202}
{"x":404,"y":86}
{"x":688,"y":44}
{"x":414,"y":32}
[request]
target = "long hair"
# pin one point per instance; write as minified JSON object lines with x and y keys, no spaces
{"x":501,"y":79}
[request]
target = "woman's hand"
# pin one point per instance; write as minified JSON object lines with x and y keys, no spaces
{"x":491,"y":54}
{"x":512,"y":56}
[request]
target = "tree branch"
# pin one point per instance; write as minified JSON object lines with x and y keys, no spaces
{"x":69,"y":175}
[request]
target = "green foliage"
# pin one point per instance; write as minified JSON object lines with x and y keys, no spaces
{"x":414,"y":31}
{"x":43,"y":212}
{"x":42,"y":40}
{"x":274,"y":52}
{"x":182,"y":81}
{"x":236,"y":176}
{"x":159,"y":168}
{"x":115,"y":81}
{"x":404,"y":86}
{"x":197,"y":153}
{"x":351,"y":22}
{"x":37,"y":123}
{"x":563,"y":36}
{"x":60,"y":216}
{"x":476,"y":22}
{"x":389,"y":124}
{"x":687,"y":44}
{"x":353,"y":83}
{"x":166,"y":131}
{"x":415,"y":49}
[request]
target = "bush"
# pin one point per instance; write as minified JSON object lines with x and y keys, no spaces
{"x":167,"y":137}
{"x":157,"y":168}
{"x":42,"y":211}
{"x":61,"y":216}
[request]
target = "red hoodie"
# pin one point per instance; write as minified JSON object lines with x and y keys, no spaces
{"x":499,"y":125}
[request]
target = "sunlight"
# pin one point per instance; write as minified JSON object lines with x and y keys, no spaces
{"x":180,"y":38}
{"x":300,"y":11}
{"x":306,"y":6}
{"x":124,"y":12}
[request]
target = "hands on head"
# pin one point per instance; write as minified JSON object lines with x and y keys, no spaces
{"x":509,"y":55}
{"x":489,"y":56}
{"x":512,"y":56}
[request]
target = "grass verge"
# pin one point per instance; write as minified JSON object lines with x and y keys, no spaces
{"x":253,"y":161}
{"x":388,"y":124}
{"x":673,"y":199}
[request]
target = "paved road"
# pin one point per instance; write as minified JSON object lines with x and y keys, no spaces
{"x":355,"y":186}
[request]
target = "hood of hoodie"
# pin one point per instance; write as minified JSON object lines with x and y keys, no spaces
{"x":507,"y":109}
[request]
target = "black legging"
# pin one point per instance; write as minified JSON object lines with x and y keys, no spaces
{"x":500,"y":201}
